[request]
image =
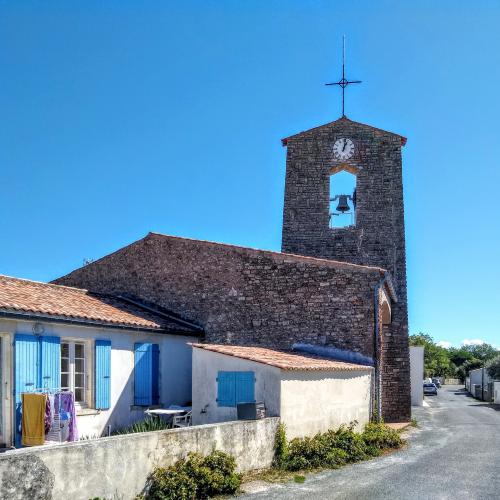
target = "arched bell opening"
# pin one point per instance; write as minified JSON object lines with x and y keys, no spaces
{"x":342,"y":197}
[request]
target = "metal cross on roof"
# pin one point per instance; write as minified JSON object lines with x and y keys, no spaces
{"x":343,"y":83}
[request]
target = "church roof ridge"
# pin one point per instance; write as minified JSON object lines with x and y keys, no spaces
{"x":284,"y":141}
{"x":274,"y":253}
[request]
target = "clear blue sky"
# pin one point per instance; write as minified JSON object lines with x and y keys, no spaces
{"x":119,"y":118}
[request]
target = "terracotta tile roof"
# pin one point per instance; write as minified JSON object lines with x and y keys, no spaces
{"x":285,"y":360}
{"x":25,"y":297}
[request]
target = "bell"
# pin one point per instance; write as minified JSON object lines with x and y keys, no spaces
{"x":343,"y":206}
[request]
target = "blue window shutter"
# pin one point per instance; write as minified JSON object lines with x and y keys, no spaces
{"x":50,"y":362}
{"x":27,"y":371}
{"x":245,"y":387}
{"x":143,"y":370}
{"x":102,"y":374}
{"x":155,"y":374}
{"x":226,"y":389}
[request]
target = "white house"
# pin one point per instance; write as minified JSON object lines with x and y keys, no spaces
{"x":118,"y":357}
{"x":480,"y":384}
{"x":311,"y":394}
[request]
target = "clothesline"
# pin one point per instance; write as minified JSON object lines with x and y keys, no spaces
{"x":46,"y":389}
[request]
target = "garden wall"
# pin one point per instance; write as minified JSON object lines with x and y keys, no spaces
{"x":118,"y":466}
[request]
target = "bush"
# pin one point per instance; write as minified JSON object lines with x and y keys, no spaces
{"x":493,"y":368}
{"x":171,"y":484}
{"x":280,"y":447}
{"x":380,"y":437}
{"x":333,"y":449}
{"x":196,"y":477}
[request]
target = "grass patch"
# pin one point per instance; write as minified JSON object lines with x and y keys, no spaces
{"x":414,"y":422}
{"x":299,"y":479}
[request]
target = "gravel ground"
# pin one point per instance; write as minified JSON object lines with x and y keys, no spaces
{"x":453,"y":454}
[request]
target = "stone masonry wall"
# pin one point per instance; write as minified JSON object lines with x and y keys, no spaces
{"x":243,"y":296}
{"x":378,"y":237}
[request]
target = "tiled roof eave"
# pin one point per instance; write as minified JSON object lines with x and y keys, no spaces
{"x":358,"y":368}
{"x":31,"y":315}
{"x":334,"y":366}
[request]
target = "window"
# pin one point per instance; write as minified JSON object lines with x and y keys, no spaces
{"x":73,"y":369}
{"x":235,"y":387}
{"x":342,"y":199}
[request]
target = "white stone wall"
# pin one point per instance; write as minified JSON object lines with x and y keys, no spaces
{"x":117,"y":467}
{"x":496,"y":392}
{"x":417,"y":375}
{"x":206,"y":365}
{"x":315,"y":401}
{"x":175,"y":373}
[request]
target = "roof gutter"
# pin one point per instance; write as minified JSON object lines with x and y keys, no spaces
{"x":89,"y":323}
{"x":159,"y":312}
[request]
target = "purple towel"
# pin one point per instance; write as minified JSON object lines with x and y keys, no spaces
{"x":65,"y":406}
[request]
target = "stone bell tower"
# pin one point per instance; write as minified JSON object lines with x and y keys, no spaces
{"x":374,"y":233}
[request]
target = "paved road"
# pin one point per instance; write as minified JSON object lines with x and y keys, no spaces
{"x":454,"y":454}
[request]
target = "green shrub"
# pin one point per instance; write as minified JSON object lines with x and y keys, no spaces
{"x":380,"y":437}
{"x":171,"y":484}
{"x":281,"y":447}
{"x":196,"y":477}
{"x":350,"y":442}
{"x":334,"y":448}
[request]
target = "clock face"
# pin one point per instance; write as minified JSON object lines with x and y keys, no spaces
{"x":343,"y":148}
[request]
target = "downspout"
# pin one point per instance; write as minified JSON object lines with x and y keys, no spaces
{"x":376,"y":357}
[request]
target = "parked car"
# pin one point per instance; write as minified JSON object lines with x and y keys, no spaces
{"x":436,"y":382}
{"x":430,"y":390}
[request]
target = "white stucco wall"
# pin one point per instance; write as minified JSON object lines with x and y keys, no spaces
{"x":307,"y":401}
{"x":175,"y":372}
{"x":206,"y":365}
{"x":417,"y":375}
{"x":476,"y":378}
{"x":315,"y":401}
{"x":496,"y":392}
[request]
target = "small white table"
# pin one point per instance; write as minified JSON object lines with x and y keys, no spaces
{"x":166,"y":411}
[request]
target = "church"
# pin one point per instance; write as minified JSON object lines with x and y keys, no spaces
{"x":337,"y":288}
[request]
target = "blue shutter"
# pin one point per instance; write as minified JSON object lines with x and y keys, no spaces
{"x":245,"y":387}
{"x":50,"y":363}
{"x":143,"y":370}
{"x":102,"y":374}
{"x":155,"y":374}
{"x":26,"y":362}
{"x":225,"y":389}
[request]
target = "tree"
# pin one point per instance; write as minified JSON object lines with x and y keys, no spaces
{"x":493,"y":367}
{"x":484,"y":352}
{"x":436,"y":359}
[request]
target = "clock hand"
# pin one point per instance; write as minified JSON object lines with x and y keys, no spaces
{"x":345,"y":144}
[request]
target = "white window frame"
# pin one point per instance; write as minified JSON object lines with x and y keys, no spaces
{"x":86,"y":369}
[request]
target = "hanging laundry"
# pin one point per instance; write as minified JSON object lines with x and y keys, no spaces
{"x":65,"y":407}
{"x":49,"y":414}
{"x":33,"y":419}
